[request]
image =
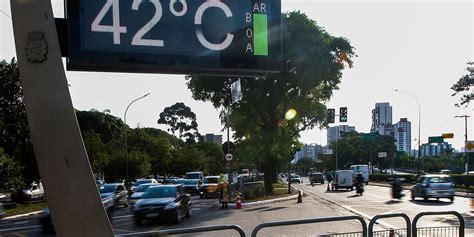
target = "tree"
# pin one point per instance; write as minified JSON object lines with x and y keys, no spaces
{"x":464,"y":85}
{"x":96,"y":151}
{"x":10,"y":173}
{"x":180,"y":118}
{"x":313,"y":61}
{"x":14,"y":132}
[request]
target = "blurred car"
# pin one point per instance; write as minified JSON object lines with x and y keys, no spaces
{"x":162,"y":202}
{"x":34,"y":191}
{"x":209,"y":187}
{"x":142,"y":181}
{"x":114,"y":194}
{"x":343,"y":179}
{"x":296,"y":179}
{"x":190,"y":186}
{"x":139,"y":192}
{"x":433,"y":186}
{"x":100,"y":182}
{"x":316,"y":178}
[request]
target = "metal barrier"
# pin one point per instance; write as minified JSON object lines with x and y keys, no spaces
{"x":438,"y":231}
{"x":188,"y":231}
{"x":390,"y":233}
{"x":310,"y":221}
{"x":381,"y":233}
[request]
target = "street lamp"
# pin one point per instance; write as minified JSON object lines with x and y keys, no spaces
{"x":419,"y":123}
{"x":125,"y":122}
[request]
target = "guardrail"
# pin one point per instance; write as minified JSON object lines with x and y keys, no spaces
{"x":391,"y":231}
{"x":310,"y":221}
{"x":188,"y":231}
{"x":439,"y":231}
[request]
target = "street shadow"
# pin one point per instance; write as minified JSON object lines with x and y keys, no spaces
{"x":338,"y":191}
{"x":468,"y":221}
{"x":255,"y":209}
{"x":393,"y":201}
{"x":355,"y":195}
{"x":274,"y":208}
{"x":431,"y":203}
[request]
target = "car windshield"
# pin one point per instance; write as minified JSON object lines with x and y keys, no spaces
{"x":142,"y":181}
{"x":160,"y":192}
{"x":143,"y":187}
{"x":440,"y":180}
{"x":108,"y":188}
{"x":213,"y":180}
{"x":193,"y":176}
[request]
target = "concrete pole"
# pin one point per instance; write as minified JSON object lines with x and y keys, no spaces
{"x":71,"y":191}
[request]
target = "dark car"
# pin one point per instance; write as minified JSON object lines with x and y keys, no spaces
{"x":114,"y":194}
{"x":163,"y":202}
{"x":209,"y":187}
{"x":191,"y":186}
{"x":316,"y":178}
{"x":139,"y":191}
{"x":142,"y":181}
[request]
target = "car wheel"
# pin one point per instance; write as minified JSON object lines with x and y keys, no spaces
{"x":352,"y":188}
{"x":367,"y":183}
{"x":201,"y":196}
{"x":177,"y":218}
{"x":451,"y":198}
{"x":138,"y":221}
{"x":188,"y":213}
{"x":412,"y":196}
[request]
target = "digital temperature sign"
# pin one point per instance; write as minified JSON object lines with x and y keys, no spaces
{"x":217,"y":37}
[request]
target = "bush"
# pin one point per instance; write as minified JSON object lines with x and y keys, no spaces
{"x":280,"y":191}
{"x":253,"y":190}
{"x":461,"y":180}
{"x":387,"y":177}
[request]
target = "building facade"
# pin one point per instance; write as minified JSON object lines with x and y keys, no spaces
{"x":382,"y":119}
{"x":429,"y":149}
{"x":211,"y":137}
{"x":334,"y":133}
{"x":402,"y":135}
{"x":309,"y":151}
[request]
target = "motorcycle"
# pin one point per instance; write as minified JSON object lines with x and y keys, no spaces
{"x":359,"y":188}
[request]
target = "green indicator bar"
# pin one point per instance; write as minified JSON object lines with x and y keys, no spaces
{"x":260,"y":39}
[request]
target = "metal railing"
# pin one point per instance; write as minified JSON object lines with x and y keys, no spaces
{"x":432,"y":231}
{"x":311,"y":221}
{"x":390,"y":232}
{"x":188,"y":231}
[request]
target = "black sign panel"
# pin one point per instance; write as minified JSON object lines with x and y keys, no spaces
{"x":224,"y":37}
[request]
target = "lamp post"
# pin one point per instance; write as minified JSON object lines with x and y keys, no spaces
{"x":125,"y":122}
{"x":419,"y":123}
{"x":466,"y":154}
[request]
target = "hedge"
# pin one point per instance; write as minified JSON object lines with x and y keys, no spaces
{"x":459,"y":180}
{"x":253,"y":190}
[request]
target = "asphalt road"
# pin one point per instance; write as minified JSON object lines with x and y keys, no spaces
{"x":317,"y":203}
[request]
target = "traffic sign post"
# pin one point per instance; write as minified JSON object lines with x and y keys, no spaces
{"x":382,"y":154}
{"x":447,"y":135}
{"x":370,"y":136}
{"x":437,"y":139}
{"x":234,"y":37}
{"x":228,"y":157}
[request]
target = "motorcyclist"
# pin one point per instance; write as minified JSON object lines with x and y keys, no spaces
{"x":359,"y":182}
{"x":397,"y":188}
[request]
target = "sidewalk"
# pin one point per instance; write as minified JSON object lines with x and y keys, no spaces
{"x":457,"y":192}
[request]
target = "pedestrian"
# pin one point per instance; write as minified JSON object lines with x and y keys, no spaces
{"x":223,"y":198}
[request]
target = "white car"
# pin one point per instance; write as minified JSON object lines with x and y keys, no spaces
{"x":296,"y":179}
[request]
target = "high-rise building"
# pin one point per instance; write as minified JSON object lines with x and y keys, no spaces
{"x":334,"y":133}
{"x":402,"y":135}
{"x":429,"y":149}
{"x":382,"y":119}
{"x":211,"y":137}
{"x":308,"y":151}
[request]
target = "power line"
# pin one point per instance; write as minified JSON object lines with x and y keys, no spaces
{"x":6,"y":14}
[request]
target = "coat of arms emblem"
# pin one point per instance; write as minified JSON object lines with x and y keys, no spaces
{"x":36,"y":47}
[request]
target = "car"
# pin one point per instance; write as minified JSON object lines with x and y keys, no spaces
{"x":162,"y":202}
{"x":433,"y":186}
{"x":34,"y":191}
{"x":363,"y":169}
{"x":195,"y":175}
{"x":296,"y":179}
{"x":114,"y":194}
{"x":316,"y":178}
{"x":100,"y":182}
{"x":343,"y":179}
{"x":209,"y":187}
{"x":139,"y":191}
{"x":142,"y":181}
{"x":190,"y":186}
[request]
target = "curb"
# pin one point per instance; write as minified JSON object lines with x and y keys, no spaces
{"x":249,"y":204}
{"x":21,"y":215}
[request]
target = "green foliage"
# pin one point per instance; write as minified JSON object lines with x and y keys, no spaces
{"x":463,"y":86}
{"x":461,"y":180}
{"x":305,"y":164}
{"x":10,"y":173}
{"x":253,"y":190}
{"x":180,"y":118}
{"x":387,"y":177}
{"x":14,"y":133}
{"x":313,"y":61}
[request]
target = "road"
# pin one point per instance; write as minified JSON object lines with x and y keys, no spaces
{"x":317,"y":202}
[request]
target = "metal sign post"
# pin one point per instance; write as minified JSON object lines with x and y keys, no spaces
{"x":71,"y":191}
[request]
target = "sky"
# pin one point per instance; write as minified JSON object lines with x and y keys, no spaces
{"x":419,"y":47}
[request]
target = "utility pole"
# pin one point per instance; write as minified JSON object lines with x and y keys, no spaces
{"x":466,"y":154}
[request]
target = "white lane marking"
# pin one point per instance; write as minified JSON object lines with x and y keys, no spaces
{"x":20,"y":228}
{"x":20,"y":222}
{"x":119,"y":217}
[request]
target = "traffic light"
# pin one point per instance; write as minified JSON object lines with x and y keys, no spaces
{"x":330,"y":115}
{"x":343,"y":114}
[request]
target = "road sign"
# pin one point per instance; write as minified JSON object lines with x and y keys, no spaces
{"x":448,"y":135}
{"x":232,"y":37}
{"x":438,"y":139}
{"x":470,"y":146}
{"x":370,"y":136}
{"x":229,"y":157}
{"x":382,"y":154}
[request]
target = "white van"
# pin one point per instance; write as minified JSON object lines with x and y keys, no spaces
{"x":363,"y":169}
{"x":34,"y":191}
{"x":343,"y":179}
